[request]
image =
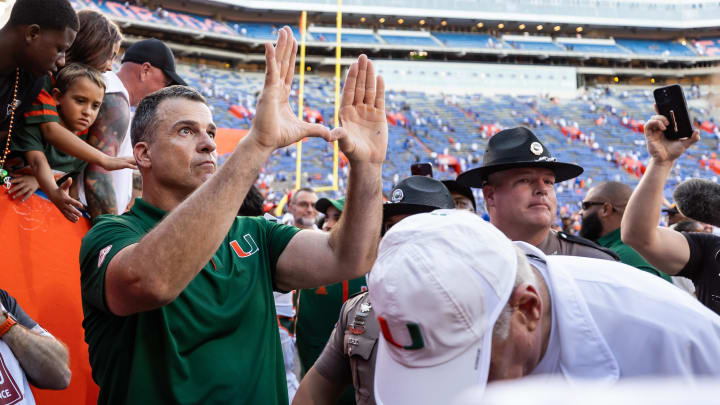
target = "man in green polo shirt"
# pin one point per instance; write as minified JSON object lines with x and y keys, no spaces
{"x":177,"y":292}
{"x":602,"y":212}
{"x":318,"y":308}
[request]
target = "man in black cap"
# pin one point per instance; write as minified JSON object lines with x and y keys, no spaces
{"x":349,"y":356}
{"x":518,"y":177}
{"x":462,"y":195}
{"x":147,"y":66}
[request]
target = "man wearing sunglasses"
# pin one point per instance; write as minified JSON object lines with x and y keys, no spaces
{"x":518,"y":177}
{"x":602,"y":213}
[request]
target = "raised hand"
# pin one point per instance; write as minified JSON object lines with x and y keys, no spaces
{"x":275,"y":124}
{"x":363,"y":131}
{"x":659,"y":147}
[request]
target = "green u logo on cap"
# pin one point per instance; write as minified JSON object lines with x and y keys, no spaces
{"x":413,"y":329}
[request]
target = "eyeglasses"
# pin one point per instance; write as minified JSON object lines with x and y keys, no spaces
{"x":587,"y":204}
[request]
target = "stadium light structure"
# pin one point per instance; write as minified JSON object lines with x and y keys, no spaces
{"x":400,"y":21}
{"x":363,"y":19}
{"x":480,"y":25}
{"x":579,"y":29}
{"x":443,"y":23}
{"x":556,"y":28}
{"x":539,"y":27}
{"x":382,"y":20}
{"x":521,"y":27}
{"x":501,"y":26}
{"x":421,"y":22}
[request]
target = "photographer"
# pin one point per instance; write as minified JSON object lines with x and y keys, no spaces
{"x":687,"y":254}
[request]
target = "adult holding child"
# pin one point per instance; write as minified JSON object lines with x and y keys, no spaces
{"x":96,"y":45}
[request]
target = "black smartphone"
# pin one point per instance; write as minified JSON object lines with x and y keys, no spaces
{"x":421,"y":169}
{"x":63,"y":179}
{"x":671,"y":103}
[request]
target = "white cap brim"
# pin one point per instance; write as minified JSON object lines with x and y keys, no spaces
{"x":430,"y":385}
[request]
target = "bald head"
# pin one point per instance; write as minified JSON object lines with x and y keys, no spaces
{"x":614,"y":192}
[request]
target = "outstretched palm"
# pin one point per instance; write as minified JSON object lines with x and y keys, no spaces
{"x":275,"y":125}
{"x":363,"y":132}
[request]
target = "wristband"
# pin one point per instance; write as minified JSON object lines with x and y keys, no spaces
{"x":9,"y":323}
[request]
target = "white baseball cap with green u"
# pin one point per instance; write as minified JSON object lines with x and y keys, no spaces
{"x":438,"y":286}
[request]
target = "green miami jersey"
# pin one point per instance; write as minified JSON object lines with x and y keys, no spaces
{"x":216,"y":343}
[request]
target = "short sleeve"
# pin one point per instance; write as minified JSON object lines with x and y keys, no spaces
{"x":43,"y":109}
{"x":332,"y":363}
{"x":11,"y":305}
{"x":28,"y":138}
{"x":109,"y":235}
{"x":702,"y":247}
{"x":278,"y":237}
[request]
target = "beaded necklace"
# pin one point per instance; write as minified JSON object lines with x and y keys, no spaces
{"x":4,"y":177}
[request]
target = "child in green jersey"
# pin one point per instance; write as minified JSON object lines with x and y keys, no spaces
{"x":78,"y":93}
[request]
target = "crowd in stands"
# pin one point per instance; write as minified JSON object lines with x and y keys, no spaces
{"x":534,"y":251}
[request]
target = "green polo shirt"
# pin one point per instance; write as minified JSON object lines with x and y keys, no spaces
{"x":628,"y":255}
{"x":216,"y":343}
{"x":318,"y":310}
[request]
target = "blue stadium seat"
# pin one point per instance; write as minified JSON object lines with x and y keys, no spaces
{"x":649,"y":47}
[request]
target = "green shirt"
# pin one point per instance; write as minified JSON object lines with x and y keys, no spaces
{"x":318,"y":310}
{"x":216,"y":343}
{"x":29,"y":137}
{"x":628,"y":255}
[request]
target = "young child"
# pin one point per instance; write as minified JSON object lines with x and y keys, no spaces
{"x":78,"y":94}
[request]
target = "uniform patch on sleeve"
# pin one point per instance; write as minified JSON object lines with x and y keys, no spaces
{"x":102,"y":254}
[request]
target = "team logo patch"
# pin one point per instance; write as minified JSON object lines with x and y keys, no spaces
{"x":413,"y":329}
{"x":536,"y":148}
{"x":250,"y":244}
{"x":102,"y":254}
{"x":397,"y":195}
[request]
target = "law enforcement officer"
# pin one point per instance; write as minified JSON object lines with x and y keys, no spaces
{"x":517,"y":178}
{"x":349,"y":356}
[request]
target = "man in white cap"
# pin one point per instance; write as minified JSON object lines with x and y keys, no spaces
{"x":450,"y":321}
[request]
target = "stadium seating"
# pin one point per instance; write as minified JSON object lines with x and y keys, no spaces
{"x":400,"y":39}
{"x":458,"y":40}
{"x":648,"y":47}
{"x":535,"y":46}
{"x":603,"y":132}
{"x":595,"y":48}
{"x":352,"y":38}
{"x":708,"y":46}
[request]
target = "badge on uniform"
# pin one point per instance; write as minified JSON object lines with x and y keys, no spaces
{"x":358,"y":325}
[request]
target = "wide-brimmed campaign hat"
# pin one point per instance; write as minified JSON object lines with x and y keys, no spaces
{"x":417,"y":194}
{"x":516,"y":147}
{"x":438,"y":286}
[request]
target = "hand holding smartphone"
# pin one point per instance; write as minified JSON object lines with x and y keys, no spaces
{"x":670,"y":102}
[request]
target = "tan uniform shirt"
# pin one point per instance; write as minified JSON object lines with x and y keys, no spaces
{"x":349,"y":355}
{"x":560,"y":243}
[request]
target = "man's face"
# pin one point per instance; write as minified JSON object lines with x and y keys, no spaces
{"x":80,"y":104}
{"x":45,"y":50}
{"x":303,"y":209}
{"x":153,"y":79}
{"x":462,"y":202}
{"x":182,"y":152}
{"x":332,"y":216}
{"x":521,"y":198}
{"x":591,"y":227}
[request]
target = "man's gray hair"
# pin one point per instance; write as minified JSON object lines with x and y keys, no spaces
{"x":525,"y":274}
{"x":144,"y":122}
